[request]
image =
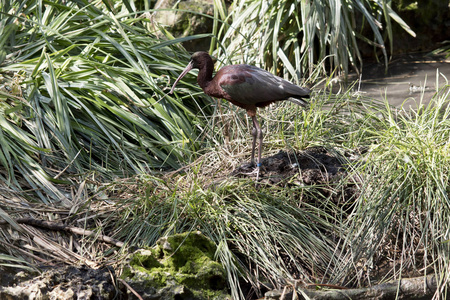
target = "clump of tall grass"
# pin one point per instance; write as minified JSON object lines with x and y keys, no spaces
{"x":403,"y":211}
{"x":265,"y":236}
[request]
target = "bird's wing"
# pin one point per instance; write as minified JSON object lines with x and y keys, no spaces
{"x":251,"y":85}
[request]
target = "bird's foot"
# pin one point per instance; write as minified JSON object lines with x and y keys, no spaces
{"x":253,"y":170}
{"x":258,"y":167}
{"x":247,"y":168}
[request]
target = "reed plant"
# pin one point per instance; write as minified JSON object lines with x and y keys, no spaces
{"x":402,"y":212}
{"x":85,"y":91}
{"x":293,"y":38}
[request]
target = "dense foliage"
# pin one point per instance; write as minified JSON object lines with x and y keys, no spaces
{"x":290,"y":36}
{"x":85,"y":90}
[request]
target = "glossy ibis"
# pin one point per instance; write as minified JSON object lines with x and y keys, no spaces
{"x":246,"y":86}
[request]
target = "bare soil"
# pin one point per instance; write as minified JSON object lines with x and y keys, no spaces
{"x":313,"y":166}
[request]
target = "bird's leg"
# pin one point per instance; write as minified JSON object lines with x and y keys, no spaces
{"x":257,"y":134}
{"x":254,"y":134}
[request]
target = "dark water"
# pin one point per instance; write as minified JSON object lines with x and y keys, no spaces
{"x":410,"y":79}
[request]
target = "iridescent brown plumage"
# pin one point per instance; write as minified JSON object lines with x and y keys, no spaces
{"x":246,"y":86}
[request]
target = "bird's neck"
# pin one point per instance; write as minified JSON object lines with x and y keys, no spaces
{"x":205,"y":74}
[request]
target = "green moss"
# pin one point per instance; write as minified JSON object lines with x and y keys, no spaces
{"x":187,"y":253}
{"x":145,"y":260}
{"x":184,"y":259}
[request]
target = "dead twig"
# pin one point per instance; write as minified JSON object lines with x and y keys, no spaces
{"x":131,"y":289}
{"x":61,"y":227}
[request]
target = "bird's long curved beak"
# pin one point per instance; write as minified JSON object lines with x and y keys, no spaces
{"x":185,"y":71}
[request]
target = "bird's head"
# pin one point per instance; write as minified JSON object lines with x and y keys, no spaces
{"x":199,"y":60}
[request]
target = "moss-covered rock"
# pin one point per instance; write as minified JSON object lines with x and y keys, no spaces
{"x":181,"y":266}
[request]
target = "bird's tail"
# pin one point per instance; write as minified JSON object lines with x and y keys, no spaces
{"x":298,"y":101}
